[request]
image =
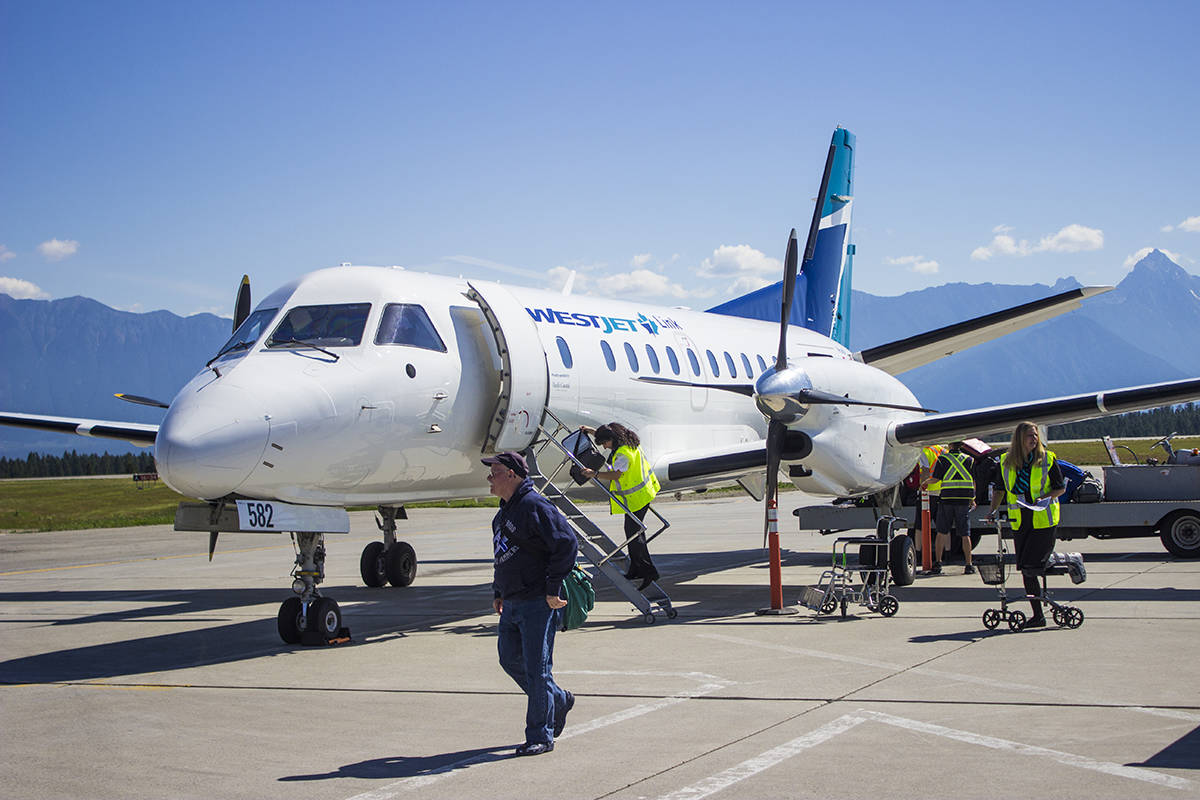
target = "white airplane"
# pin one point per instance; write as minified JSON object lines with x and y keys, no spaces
{"x":357,"y":386}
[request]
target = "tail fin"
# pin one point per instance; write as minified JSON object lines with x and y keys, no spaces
{"x":822,"y":299}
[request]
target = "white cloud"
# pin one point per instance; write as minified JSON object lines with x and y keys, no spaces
{"x":1073,"y":238}
{"x":918,"y":264}
{"x":22,"y":290}
{"x":641,"y":282}
{"x":6,"y":254}
{"x":640,"y":260}
{"x":747,"y":284}
{"x":1167,"y":228}
{"x":1145,"y":251}
{"x":1002,"y":229}
{"x":57,"y":250}
{"x":737,"y":261}
{"x":1191,"y":225}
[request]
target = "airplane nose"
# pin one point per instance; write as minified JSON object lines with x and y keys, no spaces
{"x":211,"y":440}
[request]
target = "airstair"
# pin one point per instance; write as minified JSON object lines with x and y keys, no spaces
{"x":607,"y":556}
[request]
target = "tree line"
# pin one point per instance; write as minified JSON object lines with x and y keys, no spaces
{"x":1182,"y":419}
{"x":71,"y":463}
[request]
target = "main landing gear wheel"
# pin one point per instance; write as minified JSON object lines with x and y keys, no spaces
{"x":289,"y":623}
{"x":401,"y":564}
{"x":1016,"y":620}
{"x":372,"y":564}
{"x":991,"y":618}
{"x":888,"y":605}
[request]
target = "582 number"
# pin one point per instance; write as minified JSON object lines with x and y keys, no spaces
{"x":260,"y":514}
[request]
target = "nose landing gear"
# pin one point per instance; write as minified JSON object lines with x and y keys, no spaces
{"x":308,"y":618}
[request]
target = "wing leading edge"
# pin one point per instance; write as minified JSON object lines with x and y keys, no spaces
{"x":133,"y":432}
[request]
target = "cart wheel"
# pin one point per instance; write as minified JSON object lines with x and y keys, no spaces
{"x":829,"y":605}
{"x":888,"y":605}
{"x":1074,"y":617}
{"x":1060,"y":617}
{"x":672,"y":612}
{"x":991,"y":618}
{"x":1016,"y":621}
{"x":843,"y":608}
{"x":648,"y":618}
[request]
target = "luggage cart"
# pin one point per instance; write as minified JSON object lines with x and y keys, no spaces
{"x":878,"y":556}
{"x":993,"y":569}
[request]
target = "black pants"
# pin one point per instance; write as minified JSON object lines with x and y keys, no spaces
{"x":640,"y":564}
{"x":1033,"y":546}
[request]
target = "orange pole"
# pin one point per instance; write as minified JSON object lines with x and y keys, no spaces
{"x":926,"y":537}
{"x":776,"y":561}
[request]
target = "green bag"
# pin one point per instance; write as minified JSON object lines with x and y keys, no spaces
{"x":581,"y":598}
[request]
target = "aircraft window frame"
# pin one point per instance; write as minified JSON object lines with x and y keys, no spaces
{"x":609,"y":358}
{"x":653,"y":359}
{"x":674,"y":359}
{"x":762,"y":363}
{"x":712,"y":362}
{"x":694,"y":362}
{"x":564,"y":353}
{"x":418,"y":329}
{"x":746,"y":364}
{"x":732,"y":366}
{"x":239,"y":341}
{"x":631,"y":356}
{"x":304,"y":336}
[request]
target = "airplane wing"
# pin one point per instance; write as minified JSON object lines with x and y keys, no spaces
{"x":916,"y":351}
{"x":133,"y":432}
{"x":982,"y":421}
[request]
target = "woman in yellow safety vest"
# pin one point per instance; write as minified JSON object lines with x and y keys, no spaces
{"x":630,"y":479}
{"x":1031,"y":483}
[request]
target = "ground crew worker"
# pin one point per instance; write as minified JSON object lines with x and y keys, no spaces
{"x":1032,"y":483}
{"x":952,"y":471}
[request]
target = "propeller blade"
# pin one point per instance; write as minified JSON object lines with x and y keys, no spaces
{"x":744,"y":389}
{"x":241,"y":307}
{"x":814,"y":227}
{"x":789,"y":290}
{"x":141,"y":401}
{"x":818,"y":397}
{"x":212,"y":543}
{"x":776,"y":435}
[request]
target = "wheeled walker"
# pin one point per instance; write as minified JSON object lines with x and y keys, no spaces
{"x":992,"y":571}
{"x":885,"y":559}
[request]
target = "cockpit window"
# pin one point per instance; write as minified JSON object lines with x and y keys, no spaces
{"x":248,"y":332}
{"x":326,"y":326}
{"x":409,"y":325}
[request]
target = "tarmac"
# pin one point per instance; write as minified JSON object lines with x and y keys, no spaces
{"x":132,"y":668}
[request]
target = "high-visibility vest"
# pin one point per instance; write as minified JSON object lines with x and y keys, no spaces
{"x":929,"y":457}
{"x":957,"y":483}
{"x":637,"y":485}
{"x":1039,"y":484}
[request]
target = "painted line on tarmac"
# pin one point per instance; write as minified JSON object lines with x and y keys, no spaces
{"x":135,"y":561}
{"x":777,"y":755}
{"x":707,"y":685}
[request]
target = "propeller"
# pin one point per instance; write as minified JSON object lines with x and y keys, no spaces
{"x":141,"y":401}
{"x":241,"y":307}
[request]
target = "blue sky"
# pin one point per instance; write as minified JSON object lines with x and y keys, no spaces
{"x":150,"y":153}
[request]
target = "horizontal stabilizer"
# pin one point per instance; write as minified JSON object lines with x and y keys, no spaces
{"x":133,"y":432}
{"x":924,"y":348}
{"x":997,"y":419}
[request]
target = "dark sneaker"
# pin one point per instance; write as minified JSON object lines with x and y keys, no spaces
{"x":970,"y":570}
{"x":937,"y":569}
{"x":534,"y":748}
{"x":560,"y":716}
{"x":1036,"y":622}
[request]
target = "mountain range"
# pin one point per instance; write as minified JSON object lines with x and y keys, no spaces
{"x":67,"y":357}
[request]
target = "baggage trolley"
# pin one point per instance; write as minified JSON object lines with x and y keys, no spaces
{"x":993,"y":569}
{"x":884,"y":559}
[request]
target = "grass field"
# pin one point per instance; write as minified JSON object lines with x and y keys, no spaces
{"x":80,"y":503}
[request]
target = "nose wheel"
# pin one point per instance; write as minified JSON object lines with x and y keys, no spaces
{"x":308,"y":618}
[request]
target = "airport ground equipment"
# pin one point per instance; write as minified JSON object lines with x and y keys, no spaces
{"x":554,"y":453}
{"x":993,"y":572}
{"x":883,"y":559}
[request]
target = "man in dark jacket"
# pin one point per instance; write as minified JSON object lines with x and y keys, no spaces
{"x":534,"y":549}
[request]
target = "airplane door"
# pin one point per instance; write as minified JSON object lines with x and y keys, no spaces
{"x":699,"y":393}
{"x":524,"y":376}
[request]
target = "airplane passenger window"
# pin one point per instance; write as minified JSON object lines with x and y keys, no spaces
{"x":695,"y":362}
{"x":674,"y":360}
{"x":746,"y":364}
{"x":762,"y":364}
{"x":326,"y":326}
{"x":632,"y":356}
{"x":653,"y":356}
{"x":565,"y":353}
{"x":712,"y":362}
{"x":729,"y":363}
{"x":249,"y":331}
{"x":409,"y":325}
{"x":609,"y":358}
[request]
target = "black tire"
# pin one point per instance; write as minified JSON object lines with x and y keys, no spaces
{"x":1181,"y":534}
{"x":288,"y":621}
{"x":843,"y":608}
{"x":1016,"y":621}
{"x":1060,"y":617}
{"x":648,"y":617}
{"x":829,"y":605}
{"x":401,"y":564}
{"x":372,"y":565}
{"x":1074,"y":617}
{"x":902,"y":560}
{"x":672,"y":612}
{"x":888,"y":605}
{"x":991,"y":618}
{"x":324,"y":617}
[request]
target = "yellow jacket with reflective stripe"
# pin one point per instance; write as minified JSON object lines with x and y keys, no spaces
{"x":637,"y":485}
{"x":929,"y":457}
{"x":1039,"y":484}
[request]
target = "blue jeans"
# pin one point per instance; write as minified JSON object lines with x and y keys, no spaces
{"x":526,"y":646}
